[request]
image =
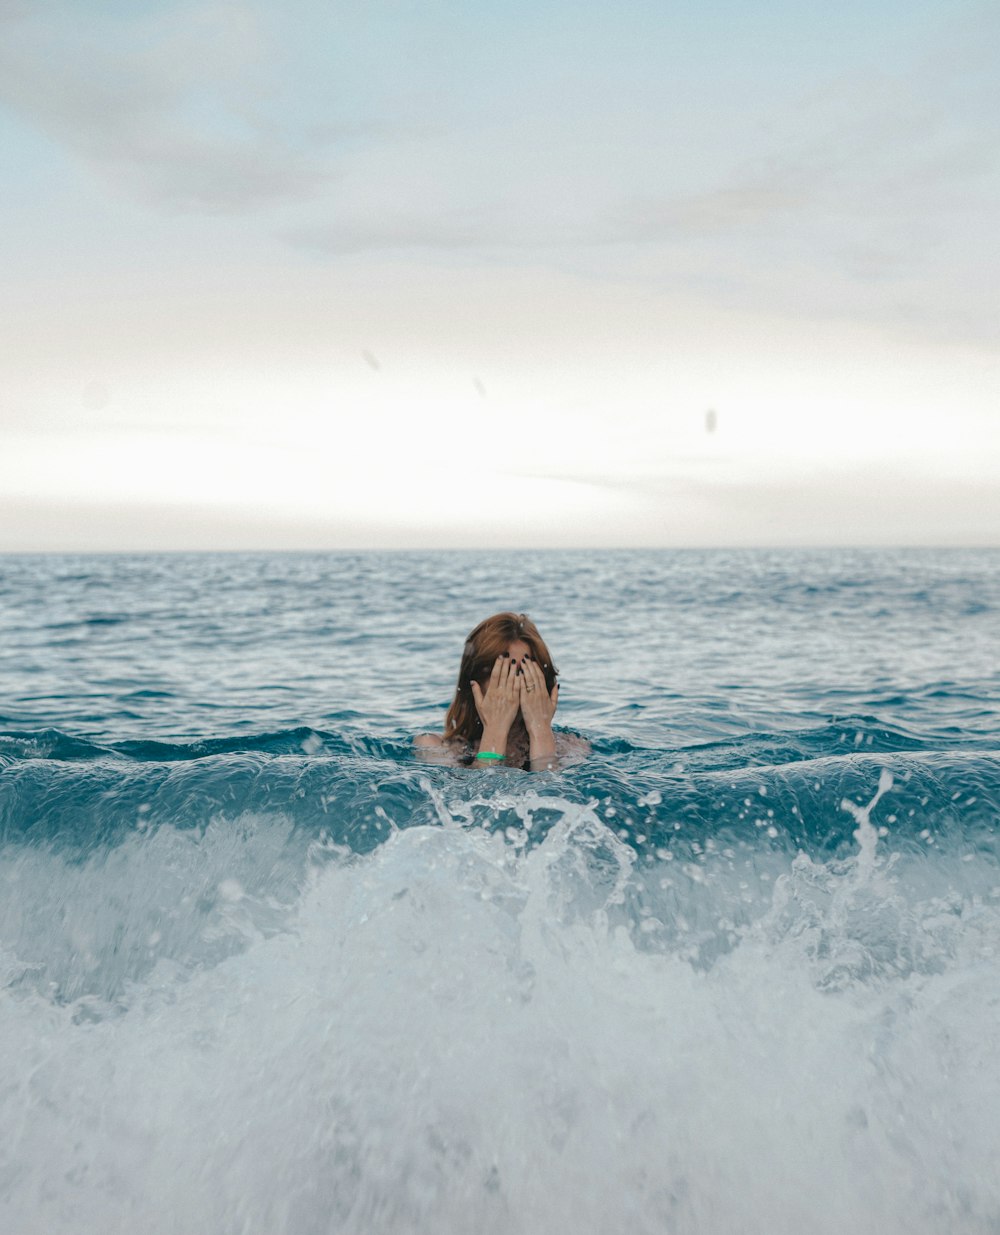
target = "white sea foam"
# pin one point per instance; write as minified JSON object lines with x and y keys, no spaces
{"x":222,"y":1032}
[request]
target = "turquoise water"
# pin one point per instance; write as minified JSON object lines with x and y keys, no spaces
{"x":261,"y":970}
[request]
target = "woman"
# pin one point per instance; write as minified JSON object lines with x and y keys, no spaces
{"x":504,"y":702}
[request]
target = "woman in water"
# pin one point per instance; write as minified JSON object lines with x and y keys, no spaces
{"x":504,"y":702}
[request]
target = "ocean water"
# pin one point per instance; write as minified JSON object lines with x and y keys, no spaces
{"x":263,"y":971}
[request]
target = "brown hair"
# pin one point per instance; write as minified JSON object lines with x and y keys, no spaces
{"x":490,"y":639}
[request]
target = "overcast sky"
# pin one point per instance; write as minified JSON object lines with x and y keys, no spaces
{"x":378,"y":274}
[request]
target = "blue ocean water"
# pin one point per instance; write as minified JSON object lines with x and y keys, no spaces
{"x":261,"y":970}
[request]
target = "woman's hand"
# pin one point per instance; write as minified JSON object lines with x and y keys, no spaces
{"x":498,"y":706}
{"x":538,"y":706}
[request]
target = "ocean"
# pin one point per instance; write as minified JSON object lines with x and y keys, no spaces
{"x":263,"y":971}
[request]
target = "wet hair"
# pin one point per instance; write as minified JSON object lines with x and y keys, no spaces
{"x":490,"y":639}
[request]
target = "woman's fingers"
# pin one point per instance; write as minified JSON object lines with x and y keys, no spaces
{"x":534,"y":675}
{"x":478,"y":697}
{"x":529,"y":691}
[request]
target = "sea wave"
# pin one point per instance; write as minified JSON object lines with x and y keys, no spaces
{"x":64,"y":790}
{"x":509,"y":1015}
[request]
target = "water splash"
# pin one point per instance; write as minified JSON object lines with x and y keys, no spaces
{"x":865,"y":834}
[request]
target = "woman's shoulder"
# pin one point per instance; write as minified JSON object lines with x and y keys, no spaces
{"x":428,"y":739}
{"x":436,"y":748}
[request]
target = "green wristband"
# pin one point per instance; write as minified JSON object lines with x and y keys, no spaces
{"x":489,"y":754}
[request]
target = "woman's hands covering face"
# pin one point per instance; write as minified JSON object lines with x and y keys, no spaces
{"x":511,"y":690}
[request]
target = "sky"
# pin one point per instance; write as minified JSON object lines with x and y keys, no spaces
{"x":336,"y":275}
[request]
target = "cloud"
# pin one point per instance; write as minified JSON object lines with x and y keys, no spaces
{"x":870,"y":194}
{"x":720,"y":210}
{"x":861,"y":504}
{"x":866,"y":193}
{"x":366,"y":233}
{"x":32,"y":526}
{"x":874,"y":506}
{"x":168,"y":107}
{"x":861,"y":186}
